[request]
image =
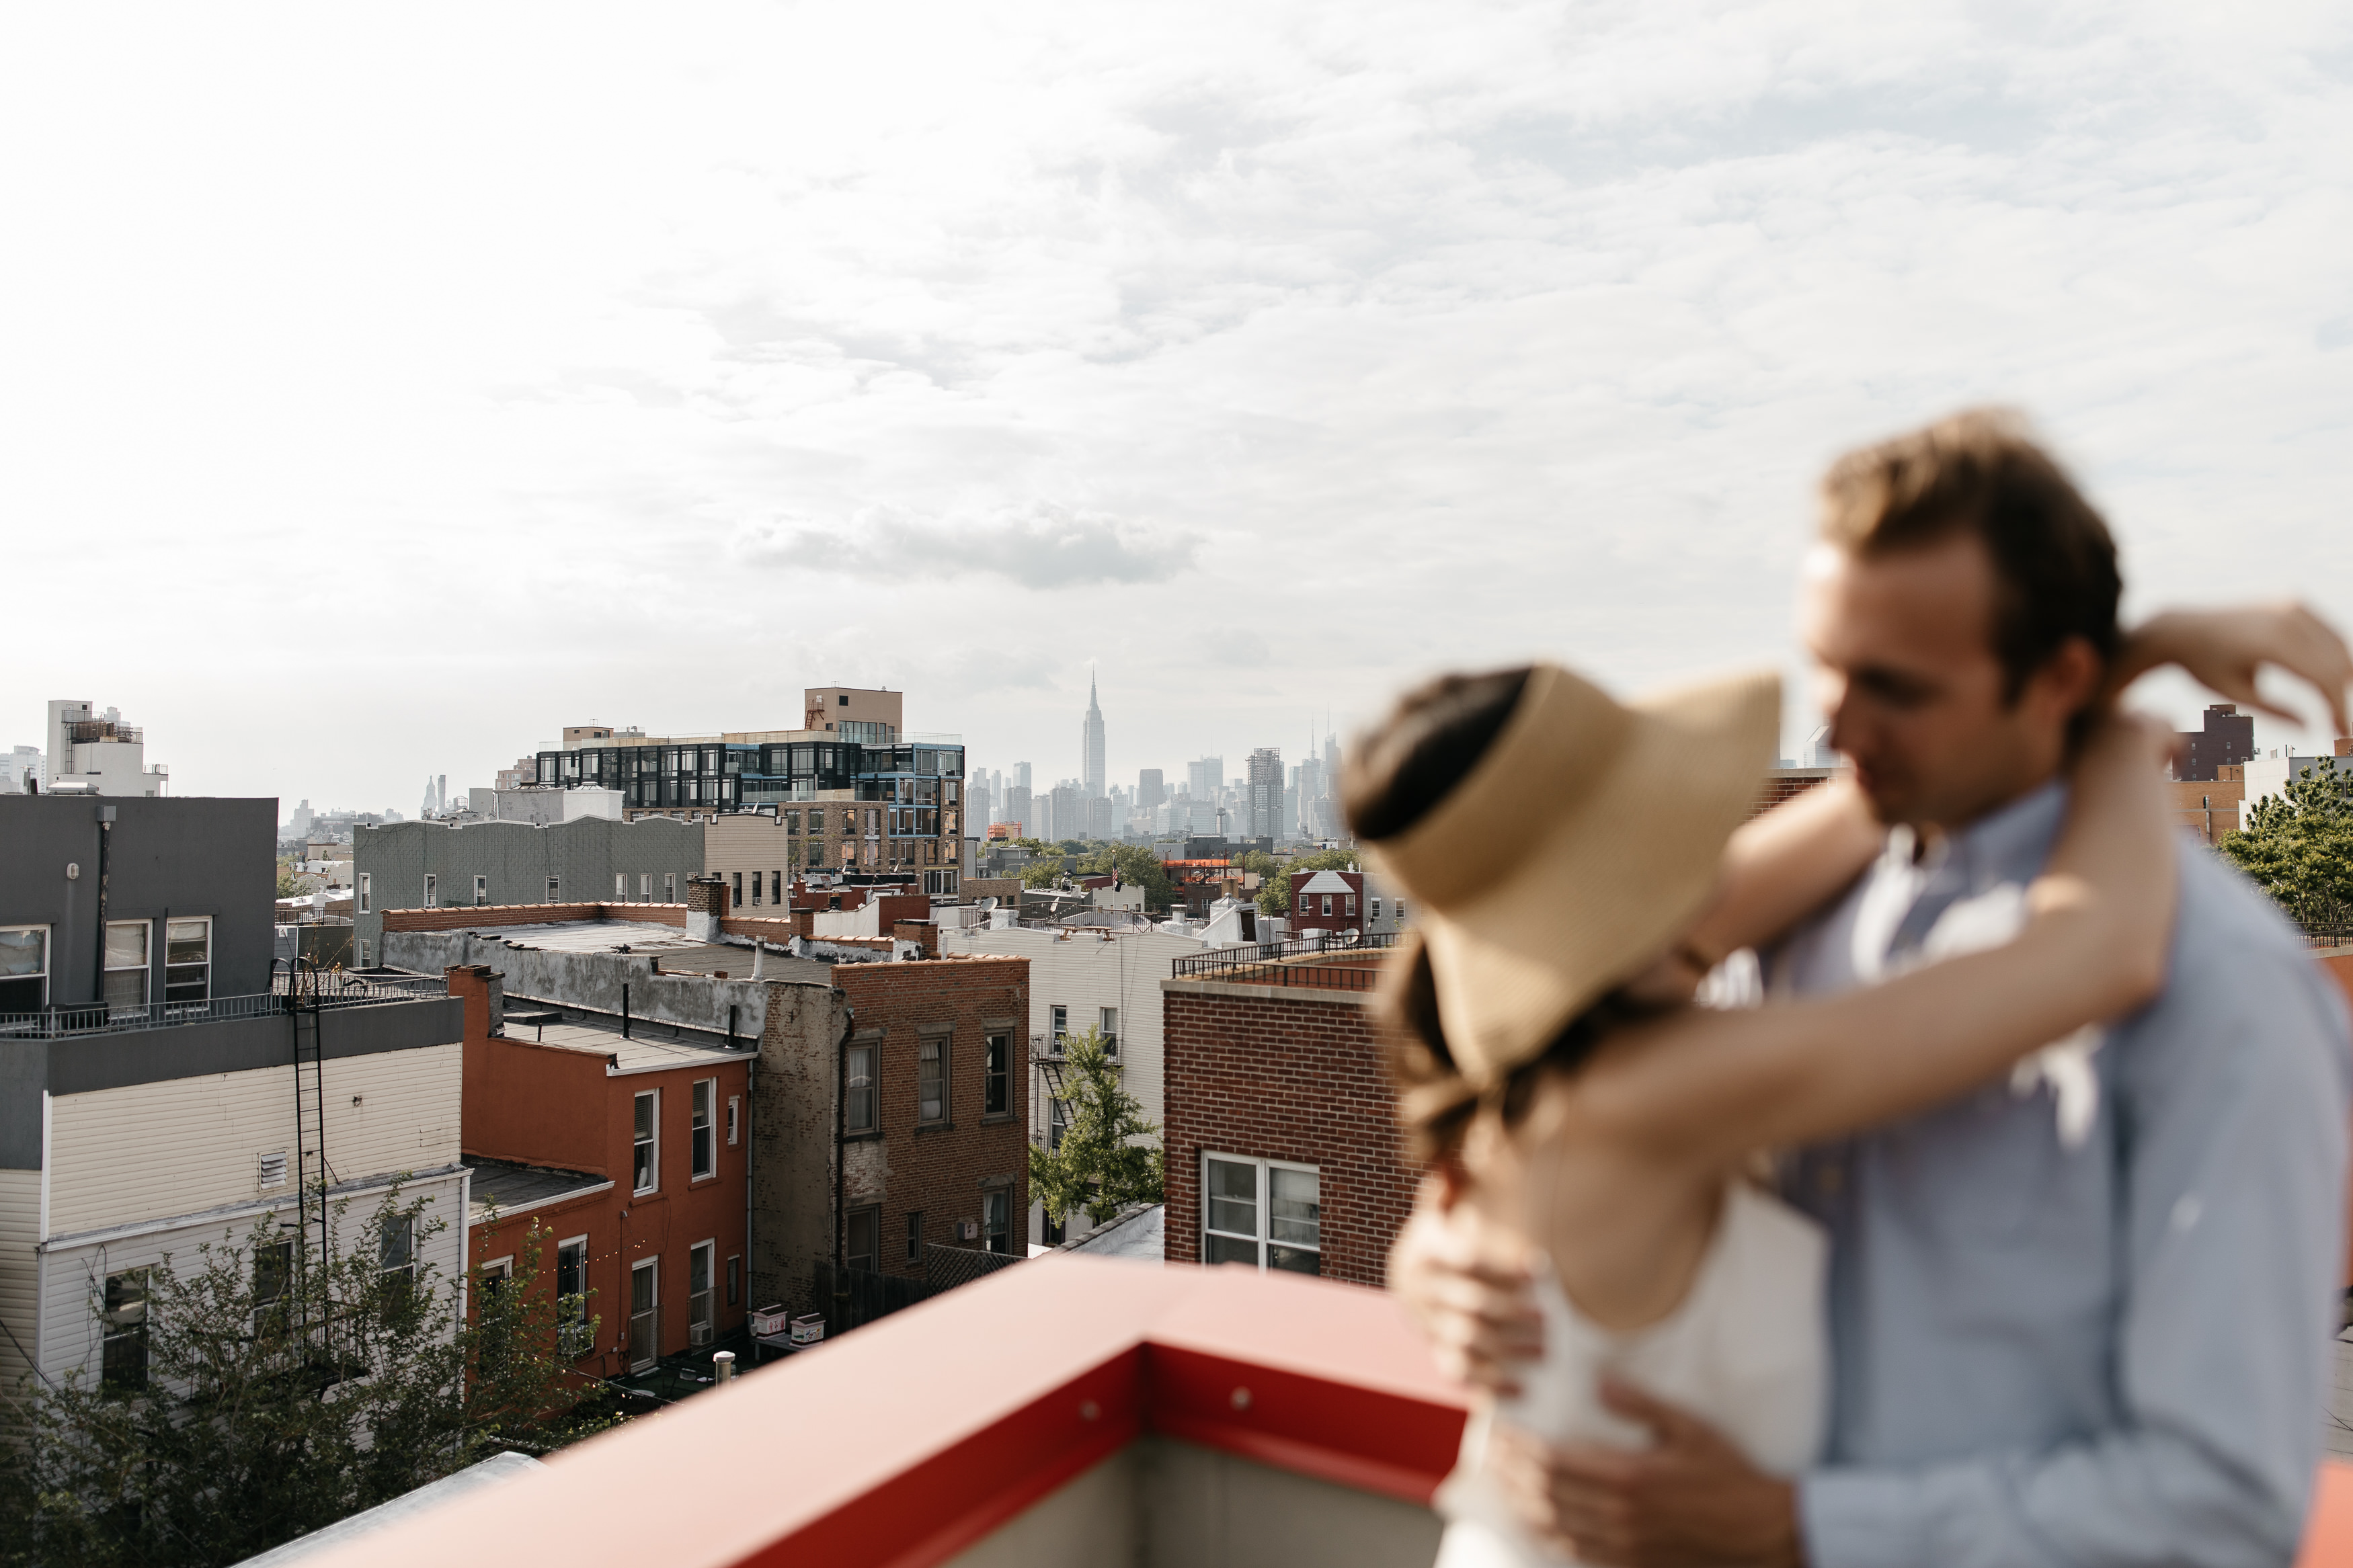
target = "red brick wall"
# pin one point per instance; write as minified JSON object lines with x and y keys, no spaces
{"x":543,"y":1105}
{"x":481,"y":917}
{"x":939,"y":1170}
{"x":1286,"y":1074}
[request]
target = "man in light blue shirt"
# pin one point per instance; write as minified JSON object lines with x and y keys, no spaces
{"x":2082,"y":1317}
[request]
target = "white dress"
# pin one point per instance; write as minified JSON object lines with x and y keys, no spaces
{"x":1748,"y":1351}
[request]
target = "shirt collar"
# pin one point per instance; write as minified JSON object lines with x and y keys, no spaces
{"x":2011,"y":842}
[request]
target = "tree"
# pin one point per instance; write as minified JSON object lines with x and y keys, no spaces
{"x":1043,"y":873}
{"x":1134,"y":863}
{"x":268,"y":1392}
{"x":2298,"y":847}
{"x":1097,"y":1165}
{"x":1274,"y":891}
{"x":287,"y":887}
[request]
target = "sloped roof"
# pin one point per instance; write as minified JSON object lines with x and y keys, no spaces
{"x":1326,"y":882}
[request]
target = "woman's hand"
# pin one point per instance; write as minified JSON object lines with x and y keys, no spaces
{"x":2226,"y":650}
{"x":1475,"y":1309}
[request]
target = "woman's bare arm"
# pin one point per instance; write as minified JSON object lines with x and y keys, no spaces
{"x":1784,"y":865}
{"x":2227,"y":649}
{"x":1709,"y":1087}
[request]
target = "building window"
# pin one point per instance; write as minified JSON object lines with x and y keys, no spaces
{"x":932,"y":1080}
{"x":996,"y":1074}
{"x":1109,"y":1029}
{"x":705,"y":1133}
{"x":669,"y":886}
{"x":864,"y":1248}
{"x":187,"y":961}
{"x":645,"y":887}
{"x":1376,"y":908}
{"x":396,"y":1267}
{"x":1401,"y":910}
{"x":1348,"y":904}
{"x":432,"y":891}
{"x":735,"y":892}
{"x":1058,"y":1119}
{"x":23,"y":968}
{"x":858,"y":1093}
{"x":273,"y":1268}
{"x":699,"y":1315}
{"x":620,"y":887}
{"x":756,"y":890}
{"x":776,"y":887}
{"x":1327,"y":903}
{"x":555,"y":889}
{"x":645,"y":1314}
{"x":575,"y":1337}
{"x":1062,"y":1017}
{"x":1306,"y":904}
{"x":122,"y":1353}
{"x":482,"y":891}
{"x":367,"y":892}
{"x":914,"y":1235}
{"x":1265,"y":1213}
{"x":734,"y":1280}
{"x":126,"y":967}
{"x":735,"y":1118}
{"x":997,"y":1219}
{"x":363,"y":953}
{"x":645,"y":1168}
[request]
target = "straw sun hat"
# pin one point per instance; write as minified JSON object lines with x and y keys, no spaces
{"x":1581,"y":845}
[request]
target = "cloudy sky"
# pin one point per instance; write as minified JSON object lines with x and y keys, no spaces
{"x":380,"y":392}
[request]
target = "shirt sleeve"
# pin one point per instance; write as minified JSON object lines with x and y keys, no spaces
{"x":2231,"y":1128}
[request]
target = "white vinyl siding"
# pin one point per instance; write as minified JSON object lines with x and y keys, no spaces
{"x":122,"y":1156}
{"x":20,"y":1216}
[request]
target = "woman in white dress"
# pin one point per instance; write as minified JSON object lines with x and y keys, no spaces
{"x":1566,"y":854}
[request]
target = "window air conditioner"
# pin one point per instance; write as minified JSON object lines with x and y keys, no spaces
{"x":967,"y":1230}
{"x":698,"y":1333}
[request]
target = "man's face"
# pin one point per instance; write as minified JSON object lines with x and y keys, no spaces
{"x":1914,"y":692}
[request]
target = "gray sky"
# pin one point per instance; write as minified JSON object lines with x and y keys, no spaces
{"x":381,"y":392}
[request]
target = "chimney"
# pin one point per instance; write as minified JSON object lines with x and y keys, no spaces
{"x":706,"y":904}
{"x":925,"y":934}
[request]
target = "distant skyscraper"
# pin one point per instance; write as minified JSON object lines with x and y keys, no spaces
{"x":1149,"y":792}
{"x":1263,"y":801}
{"x":1022,"y":774}
{"x":1092,"y":777}
{"x":1205,"y":777}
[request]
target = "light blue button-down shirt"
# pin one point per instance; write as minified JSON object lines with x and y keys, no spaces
{"x":2114,"y":1352}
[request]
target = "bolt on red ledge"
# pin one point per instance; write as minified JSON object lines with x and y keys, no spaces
{"x":1068,"y":1411}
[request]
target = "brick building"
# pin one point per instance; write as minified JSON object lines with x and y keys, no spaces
{"x":1330,"y":902}
{"x":1279,"y":1110}
{"x":2225,"y":736}
{"x":628,"y":1151}
{"x":887,"y":1118}
{"x":1788,"y":783}
{"x":2211,"y":806}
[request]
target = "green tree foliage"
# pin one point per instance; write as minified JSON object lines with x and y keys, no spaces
{"x":275,"y":1393}
{"x":1274,"y":892}
{"x":1100,"y":1165}
{"x":2299,"y":848}
{"x":1134,"y":864}
{"x":1046,"y":873}
{"x":287,"y":887}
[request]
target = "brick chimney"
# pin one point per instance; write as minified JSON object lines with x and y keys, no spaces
{"x":923,"y":933}
{"x":706,"y":904}
{"x":485,"y":992}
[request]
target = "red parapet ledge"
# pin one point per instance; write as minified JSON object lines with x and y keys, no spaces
{"x":909,"y":1440}
{"x":901,"y":1445}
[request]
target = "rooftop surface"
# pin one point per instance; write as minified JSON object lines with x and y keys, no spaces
{"x":648,"y":1047}
{"x":511,"y":1188}
{"x":1140,"y":1235}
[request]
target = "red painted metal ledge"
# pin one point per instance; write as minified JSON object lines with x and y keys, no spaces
{"x":906,"y":1442}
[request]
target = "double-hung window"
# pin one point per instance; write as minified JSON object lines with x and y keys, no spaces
{"x":1376,"y":908}
{"x":1265,"y":1213}
{"x":735,"y":892}
{"x":996,"y":1074}
{"x":273,"y":1270}
{"x":931,"y":1079}
{"x":699,"y":1315}
{"x":669,"y":886}
{"x":914,"y":1235}
{"x":126,"y":967}
{"x":706,"y":1133}
{"x":1327,"y":903}
{"x":24,"y":969}
{"x":1108,"y":1029}
{"x":576,"y":1332}
{"x":1061,"y":1025}
{"x":187,"y":960}
{"x":122,"y":1351}
{"x":1306,"y":903}
{"x":620,"y":887}
{"x":863,"y":1247}
{"x":555,"y":889}
{"x":1348,"y":904}
{"x":482,"y":891}
{"x":645,"y":1161}
{"x":858,"y":1098}
{"x":367,"y":892}
{"x":735,"y":1118}
{"x":997,"y":1219}
{"x":396,"y":1256}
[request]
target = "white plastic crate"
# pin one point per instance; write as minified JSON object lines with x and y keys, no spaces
{"x":768,"y":1320}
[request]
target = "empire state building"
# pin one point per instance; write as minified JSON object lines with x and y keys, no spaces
{"x":1090,"y":746}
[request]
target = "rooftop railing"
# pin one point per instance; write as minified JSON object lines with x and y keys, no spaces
{"x":104,"y":1019}
{"x":1285,"y":962}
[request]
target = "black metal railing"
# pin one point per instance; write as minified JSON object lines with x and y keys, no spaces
{"x":1225,"y":959}
{"x":323,"y":990}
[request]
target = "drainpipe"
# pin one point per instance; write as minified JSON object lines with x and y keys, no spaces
{"x":625,"y":1009}
{"x":840,"y":1144}
{"x":105,"y":843}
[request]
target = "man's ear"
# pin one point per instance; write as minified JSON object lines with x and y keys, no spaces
{"x":2069,"y":680}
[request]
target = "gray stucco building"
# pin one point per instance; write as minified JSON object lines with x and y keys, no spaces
{"x":591,"y":859}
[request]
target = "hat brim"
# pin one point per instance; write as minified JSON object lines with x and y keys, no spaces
{"x":1605,"y":885}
